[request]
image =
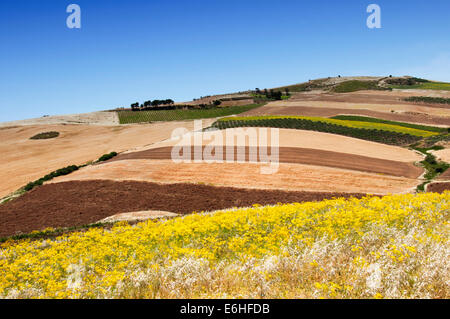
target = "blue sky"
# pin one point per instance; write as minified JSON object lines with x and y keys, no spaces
{"x":135,"y":50}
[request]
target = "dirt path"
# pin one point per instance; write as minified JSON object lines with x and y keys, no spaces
{"x":81,"y":203}
{"x":23,"y":160}
{"x":291,"y":155}
{"x":292,"y":177}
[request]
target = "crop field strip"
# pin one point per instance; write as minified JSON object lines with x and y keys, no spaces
{"x":395,"y":123}
{"x":129,"y":117}
{"x":381,"y":133}
{"x":442,"y":86}
{"x":354,"y":122}
{"x":297,"y":156}
{"x":84,"y":202}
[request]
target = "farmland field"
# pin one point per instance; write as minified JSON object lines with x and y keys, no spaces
{"x":353,"y":122}
{"x":425,"y":86}
{"x":390,"y":247}
{"x":128,"y":117}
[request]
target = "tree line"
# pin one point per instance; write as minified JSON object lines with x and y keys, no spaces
{"x":148,"y":105}
{"x":271,"y":94}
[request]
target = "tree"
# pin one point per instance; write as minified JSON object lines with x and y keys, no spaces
{"x":276,"y":95}
{"x":217,"y":102}
{"x":258,"y":91}
{"x":287,"y":91}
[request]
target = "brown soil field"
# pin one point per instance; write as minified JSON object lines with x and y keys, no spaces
{"x":23,"y":160}
{"x":325,"y":111}
{"x":293,"y":177}
{"x":438,"y":187}
{"x":375,"y":97}
{"x":81,"y":203}
{"x":312,"y":140}
{"x":399,"y":108}
{"x":294,"y":155}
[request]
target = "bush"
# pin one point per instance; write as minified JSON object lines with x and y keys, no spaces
{"x":45,"y":136}
{"x":106,"y":157}
{"x":60,"y":172}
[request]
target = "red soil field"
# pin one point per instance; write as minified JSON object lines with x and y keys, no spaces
{"x":438,"y":187}
{"x":79,"y":203}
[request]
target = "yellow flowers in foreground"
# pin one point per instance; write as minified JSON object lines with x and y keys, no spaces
{"x":390,"y":247}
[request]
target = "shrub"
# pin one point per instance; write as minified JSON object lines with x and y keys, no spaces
{"x":106,"y":157}
{"x":45,"y":136}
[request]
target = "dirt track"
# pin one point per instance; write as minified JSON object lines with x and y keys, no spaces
{"x":23,"y":160}
{"x":292,"y":177}
{"x":81,"y":203}
{"x":297,"y":156}
{"x":412,"y":117}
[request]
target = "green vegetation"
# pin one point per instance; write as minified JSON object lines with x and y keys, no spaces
{"x":432,"y":166}
{"x":375,"y":135}
{"x":60,"y":172}
{"x":425,"y":86}
{"x":45,"y":136}
{"x":367,"y":124}
{"x":356,"y":85}
{"x":375,"y":120}
{"x":427,"y":99}
{"x":127,"y":117}
{"x":106,"y":157}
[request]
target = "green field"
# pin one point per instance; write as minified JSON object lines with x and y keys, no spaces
{"x":365,"y":123}
{"x":427,"y":99}
{"x":129,"y":117}
{"x":425,"y":86}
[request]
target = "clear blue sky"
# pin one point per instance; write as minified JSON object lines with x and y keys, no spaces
{"x":135,"y":50}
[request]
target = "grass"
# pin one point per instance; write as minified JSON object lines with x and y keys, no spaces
{"x":45,"y":136}
{"x":432,"y":166}
{"x":129,"y":117}
{"x":427,"y":99}
{"x":356,"y":85}
{"x":390,"y":247}
{"x":354,"y":122}
{"x":375,"y":120}
{"x":375,"y":135}
{"x":425,"y":86}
